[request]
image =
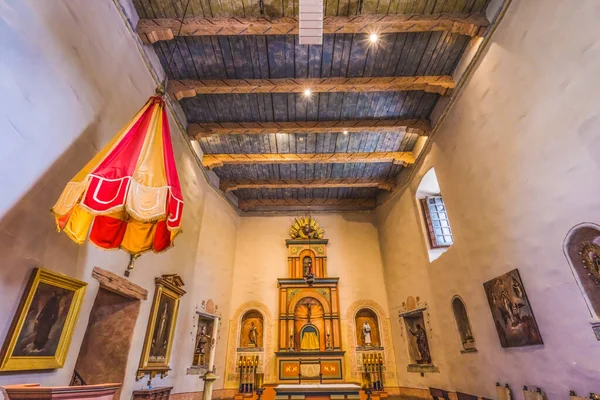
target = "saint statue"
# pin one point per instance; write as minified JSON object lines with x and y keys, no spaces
{"x":203,"y":340}
{"x":366,"y":330}
{"x":45,"y":321}
{"x":252,"y":336}
{"x":159,"y":342}
{"x":422,"y":344}
{"x":307,"y":266}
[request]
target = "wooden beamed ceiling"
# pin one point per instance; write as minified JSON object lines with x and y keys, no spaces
{"x":380,"y":183}
{"x":240,"y":76}
{"x":430,"y":84}
{"x":199,"y":130}
{"x":314,"y":204}
{"x":154,"y":30}
{"x":211,"y":161}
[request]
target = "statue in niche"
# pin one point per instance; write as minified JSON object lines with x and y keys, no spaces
{"x":203,"y":340}
{"x":307,"y":266}
{"x":366,"y":330}
{"x":252,"y":335}
{"x":422,"y":344}
{"x":590,"y":258}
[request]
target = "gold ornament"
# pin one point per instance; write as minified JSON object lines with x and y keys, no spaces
{"x":306,"y":228}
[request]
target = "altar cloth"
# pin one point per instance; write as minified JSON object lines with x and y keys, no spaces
{"x":318,"y":388}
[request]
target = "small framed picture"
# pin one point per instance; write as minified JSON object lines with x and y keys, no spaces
{"x":41,"y":331}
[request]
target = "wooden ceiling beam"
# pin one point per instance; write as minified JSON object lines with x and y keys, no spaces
{"x":200,"y":130}
{"x":236,"y":184}
{"x":154,"y":30}
{"x":211,"y":161}
{"x":315,"y":204}
{"x":440,"y":84}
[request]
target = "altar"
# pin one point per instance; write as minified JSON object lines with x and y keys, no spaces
{"x":314,"y":356}
{"x":339,"y":391}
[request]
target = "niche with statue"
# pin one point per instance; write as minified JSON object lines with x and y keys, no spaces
{"x":367,"y":329}
{"x":582,"y":248}
{"x":251,"y":331}
{"x":414,"y":322}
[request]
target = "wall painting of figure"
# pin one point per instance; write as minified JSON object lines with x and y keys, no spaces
{"x":42,"y":328}
{"x":511,"y":311}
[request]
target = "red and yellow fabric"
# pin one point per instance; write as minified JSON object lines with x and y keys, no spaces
{"x":128,"y":196}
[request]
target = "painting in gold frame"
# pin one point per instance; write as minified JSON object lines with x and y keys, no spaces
{"x":161,"y":327}
{"x":42,"y":328}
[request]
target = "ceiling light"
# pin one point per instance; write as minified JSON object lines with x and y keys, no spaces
{"x":345,"y":132}
{"x":373,"y":37}
{"x":307,"y":92}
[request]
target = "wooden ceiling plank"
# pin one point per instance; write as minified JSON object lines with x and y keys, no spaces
{"x":156,"y":29}
{"x":315,"y":204}
{"x":212,"y":161}
{"x":419,"y":126}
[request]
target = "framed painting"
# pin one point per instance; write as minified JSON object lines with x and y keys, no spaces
{"x":41,"y":331}
{"x":511,"y":311}
{"x":161,"y":327}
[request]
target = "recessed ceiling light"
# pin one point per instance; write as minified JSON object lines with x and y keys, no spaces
{"x":307,"y":92}
{"x":373,"y":37}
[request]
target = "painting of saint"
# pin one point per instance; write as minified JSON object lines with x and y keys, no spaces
{"x":44,"y":322}
{"x":43,"y":326}
{"x":160,"y":336}
{"x":511,"y":311}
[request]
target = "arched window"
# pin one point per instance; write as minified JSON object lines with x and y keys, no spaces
{"x":435,"y":217}
{"x":582,"y":248}
{"x":463,"y":325}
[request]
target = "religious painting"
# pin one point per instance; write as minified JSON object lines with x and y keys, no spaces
{"x":42,"y":328}
{"x":161,"y":326}
{"x":418,"y":342}
{"x":511,"y":311}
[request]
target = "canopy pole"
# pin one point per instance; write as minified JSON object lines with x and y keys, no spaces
{"x":132,"y":259}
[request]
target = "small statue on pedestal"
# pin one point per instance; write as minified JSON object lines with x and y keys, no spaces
{"x":366,"y":330}
{"x":203,"y":340}
{"x":252,"y":336}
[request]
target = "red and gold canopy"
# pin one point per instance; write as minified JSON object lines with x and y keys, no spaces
{"x":129,"y":193}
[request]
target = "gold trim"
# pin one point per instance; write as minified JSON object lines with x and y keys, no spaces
{"x":25,"y":363}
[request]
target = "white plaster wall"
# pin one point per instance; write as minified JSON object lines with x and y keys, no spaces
{"x":352,"y":255}
{"x":518,"y":160}
{"x":71,"y":76}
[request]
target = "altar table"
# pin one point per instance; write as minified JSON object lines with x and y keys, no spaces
{"x":318,"y":391}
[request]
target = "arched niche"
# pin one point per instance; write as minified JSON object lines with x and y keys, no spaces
{"x":463,"y":325}
{"x":252,"y":330}
{"x":310,"y":325}
{"x":582,"y":249}
{"x":366,"y":319}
